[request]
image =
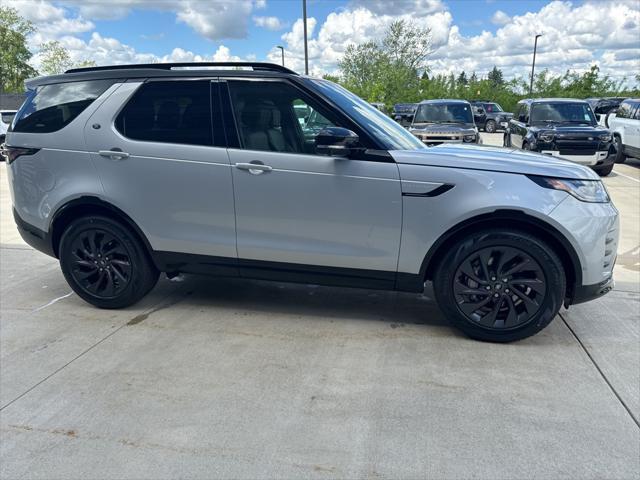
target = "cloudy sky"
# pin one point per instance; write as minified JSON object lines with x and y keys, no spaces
{"x":470,"y":35}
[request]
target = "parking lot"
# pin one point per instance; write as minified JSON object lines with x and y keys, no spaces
{"x":224,"y":378}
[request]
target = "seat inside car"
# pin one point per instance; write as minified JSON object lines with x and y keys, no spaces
{"x":262,"y":129}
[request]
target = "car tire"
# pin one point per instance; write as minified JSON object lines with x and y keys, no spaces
{"x":620,"y":156}
{"x":490,"y":126}
{"x":485,"y":306}
{"x":604,"y":171}
{"x":105,"y":263}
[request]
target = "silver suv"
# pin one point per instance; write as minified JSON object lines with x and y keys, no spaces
{"x":125,"y":172}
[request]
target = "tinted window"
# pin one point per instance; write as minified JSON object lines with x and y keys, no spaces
{"x":579,"y":113}
{"x":625,"y":110}
{"x":391,"y":134}
{"x":169,"y":112}
{"x":51,"y":107}
{"x":637,"y":114}
{"x":492,"y":107}
{"x":276,"y":116}
{"x":443,"y":113}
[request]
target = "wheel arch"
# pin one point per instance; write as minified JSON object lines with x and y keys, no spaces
{"x":518,"y":220}
{"x":90,"y":205}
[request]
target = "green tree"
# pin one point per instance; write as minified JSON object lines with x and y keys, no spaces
{"x":462,"y":80}
{"x":14,"y":54}
{"x":388,"y":71}
{"x":54,"y":58}
{"x":495,"y":77}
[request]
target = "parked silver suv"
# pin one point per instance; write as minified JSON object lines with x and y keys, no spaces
{"x":124,"y":172}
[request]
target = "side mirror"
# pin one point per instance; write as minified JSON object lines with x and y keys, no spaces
{"x":336,"y":142}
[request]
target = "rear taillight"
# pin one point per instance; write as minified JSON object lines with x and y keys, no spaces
{"x":12,"y":153}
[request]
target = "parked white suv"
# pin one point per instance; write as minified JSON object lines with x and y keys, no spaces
{"x":6,"y":117}
{"x":124,"y":172}
{"x":625,"y":126}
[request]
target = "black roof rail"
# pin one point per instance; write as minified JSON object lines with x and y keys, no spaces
{"x":258,"y":66}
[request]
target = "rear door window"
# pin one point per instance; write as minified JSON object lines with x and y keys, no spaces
{"x":51,"y":107}
{"x":169,"y":112}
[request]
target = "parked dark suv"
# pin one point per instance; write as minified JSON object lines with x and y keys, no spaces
{"x":403,"y":113}
{"x":489,"y":116}
{"x":564,"y":128}
{"x":444,"y":121}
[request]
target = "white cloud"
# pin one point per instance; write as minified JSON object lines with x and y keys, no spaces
{"x":575,"y":36}
{"x":500,"y":18}
{"x":270,"y":23}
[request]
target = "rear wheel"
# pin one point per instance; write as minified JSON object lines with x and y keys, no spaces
{"x":490,"y":126}
{"x":500,"y":286}
{"x":105,"y":263}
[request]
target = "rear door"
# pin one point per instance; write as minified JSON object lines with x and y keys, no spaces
{"x":162,"y":161}
{"x":300,"y":208}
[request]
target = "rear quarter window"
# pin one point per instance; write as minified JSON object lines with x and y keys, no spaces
{"x":52,"y":107}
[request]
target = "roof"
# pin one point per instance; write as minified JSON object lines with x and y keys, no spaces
{"x":443,"y":100}
{"x":557,"y":100}
{"x":155,"y":70}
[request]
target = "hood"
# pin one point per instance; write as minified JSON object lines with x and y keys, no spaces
{"x":496,"y":159}
{"x":572,"y":131}
{"x":439,"y":128}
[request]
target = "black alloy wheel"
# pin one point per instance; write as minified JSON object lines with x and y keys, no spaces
{"x":499,"y":287}
{"x":105,"y":262}
{"x":101,"y":264}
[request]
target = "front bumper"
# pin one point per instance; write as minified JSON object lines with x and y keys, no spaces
{"x":592,"y":229}
{"x":589,"y":160}
{"x":584,"y":293}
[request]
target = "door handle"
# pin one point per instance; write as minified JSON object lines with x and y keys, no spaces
{"x":254,"y":168}
{"x":113,"y":154}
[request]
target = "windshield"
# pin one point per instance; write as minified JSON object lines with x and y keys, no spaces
{"x":387,"y":131}
{"x":443,"y":113}
{"x":578,"y":113}
{"x":493,"y":107}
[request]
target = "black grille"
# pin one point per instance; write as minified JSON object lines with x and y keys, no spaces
{"x":577,"y":151}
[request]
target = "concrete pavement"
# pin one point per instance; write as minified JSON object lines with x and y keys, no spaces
{"x":244,"y":379}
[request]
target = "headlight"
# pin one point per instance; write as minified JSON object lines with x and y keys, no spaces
{"x":605,"y":138}
{"x":470,"y":138}
{"x":546,"y":137}
{"x":592,"y":191}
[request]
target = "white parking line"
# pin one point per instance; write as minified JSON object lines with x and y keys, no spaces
{"x":52,"y":302}
{"x":627,"y":176}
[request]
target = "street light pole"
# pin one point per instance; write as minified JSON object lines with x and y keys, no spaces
{"x":304,"y":21}
{"x":533,"y":65}
{"x":282,"y":50}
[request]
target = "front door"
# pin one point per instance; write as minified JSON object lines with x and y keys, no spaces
{"x":294,"y":206}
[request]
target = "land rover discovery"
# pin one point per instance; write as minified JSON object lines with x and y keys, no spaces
{"x":124,"y":172}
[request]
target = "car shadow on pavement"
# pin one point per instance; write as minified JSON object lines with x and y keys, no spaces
{"x":312,"y":300}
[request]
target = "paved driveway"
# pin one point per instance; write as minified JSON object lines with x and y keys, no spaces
{"x":242,"y":379}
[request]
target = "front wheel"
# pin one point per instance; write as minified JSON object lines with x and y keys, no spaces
{"x":490,"y":126}
{"x":604,"y":171}
{"x":105,"y":263}
{"x":500,"y":285}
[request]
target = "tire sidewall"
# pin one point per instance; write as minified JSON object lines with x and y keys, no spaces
{"x":142,"y":272}
{"x":544,"y":255}
{"x":490,"y":127}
